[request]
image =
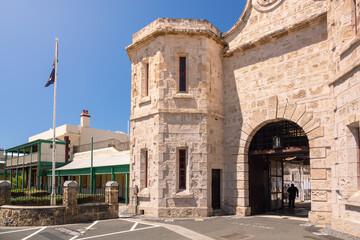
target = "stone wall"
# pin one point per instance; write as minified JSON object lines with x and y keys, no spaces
{"x":345,"y":89}
{"x":69,"y":212}
{"x":282,"y":60}
{"x":168,"y":119}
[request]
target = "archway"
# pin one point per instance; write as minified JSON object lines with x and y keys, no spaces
{"x":278,"y":157}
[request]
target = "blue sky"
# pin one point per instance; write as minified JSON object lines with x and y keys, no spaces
{"x":93,"y":69}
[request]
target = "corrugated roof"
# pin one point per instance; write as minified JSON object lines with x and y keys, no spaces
{"x":101,"y":158}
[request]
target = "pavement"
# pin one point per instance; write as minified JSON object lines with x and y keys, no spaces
{"x":220,"y":227}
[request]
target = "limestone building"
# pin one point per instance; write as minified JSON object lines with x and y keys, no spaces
{"x":214,"y":116}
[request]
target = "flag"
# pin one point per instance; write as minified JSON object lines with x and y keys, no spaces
{"x":51,"y":79}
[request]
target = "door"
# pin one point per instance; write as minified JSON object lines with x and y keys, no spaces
{"x":215,"y":188}
{"x":276,"y":179}
{"x":258,"y":184}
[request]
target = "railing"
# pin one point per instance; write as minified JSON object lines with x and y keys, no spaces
{"x":14,"y":161}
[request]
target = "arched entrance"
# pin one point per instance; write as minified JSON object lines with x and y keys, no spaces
{"x":278,"y":157}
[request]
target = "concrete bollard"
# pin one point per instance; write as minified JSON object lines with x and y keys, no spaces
{"x":111,"y":192}
{"x":70,"y":194}
{"x":5,"y":192}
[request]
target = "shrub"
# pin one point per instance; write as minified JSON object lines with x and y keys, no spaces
{"x":90,"y":198}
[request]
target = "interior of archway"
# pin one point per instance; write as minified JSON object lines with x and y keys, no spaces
{"x":279,"y":157}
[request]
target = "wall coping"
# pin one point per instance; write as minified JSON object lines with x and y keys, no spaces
{"x":29,"y":207}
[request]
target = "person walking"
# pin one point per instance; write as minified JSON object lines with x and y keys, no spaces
{"x":293,"y":192}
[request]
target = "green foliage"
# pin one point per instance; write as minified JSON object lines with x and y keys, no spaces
{"x":35,"y":201}
{"x":20,"y":179}
{"x":90,"y":198}
{"x":33,"y":197}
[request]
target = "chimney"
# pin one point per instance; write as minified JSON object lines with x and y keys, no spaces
{"x":85,"y":119}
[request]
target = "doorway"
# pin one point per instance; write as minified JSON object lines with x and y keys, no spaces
{"x":277,"y":150}
{"x":215,"y":188}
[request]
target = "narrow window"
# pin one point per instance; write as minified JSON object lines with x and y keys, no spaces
{"x":182,"y":169}
{"x":146,"y":79}
{"x":146,"y":168}
{"x":144,"y":163}
{"x":182,"y":82}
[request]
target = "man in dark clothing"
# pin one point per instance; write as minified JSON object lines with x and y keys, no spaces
{"x":293,"y":192}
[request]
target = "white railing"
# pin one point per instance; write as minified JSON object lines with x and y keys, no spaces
{"x":22,"y":160}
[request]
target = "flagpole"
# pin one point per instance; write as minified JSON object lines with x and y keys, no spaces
{"x":53,"y":191}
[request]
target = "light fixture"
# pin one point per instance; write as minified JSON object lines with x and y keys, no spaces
{"x":276,"y":142}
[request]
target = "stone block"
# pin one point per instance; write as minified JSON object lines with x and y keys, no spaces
{"x":318,"y":174}
{"x":305,"y":118}
{"x":298,"y":113}
{"x":318,"y":195}
{"x":316,"y":133}
{"x":319,"y":217}
{"x":290,"y":108}
{"x":318,"y":152}
{"x":243,"y":211}
{"x":320,"y":206}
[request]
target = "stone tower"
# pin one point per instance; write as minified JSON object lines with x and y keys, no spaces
{"x":176,"y":117}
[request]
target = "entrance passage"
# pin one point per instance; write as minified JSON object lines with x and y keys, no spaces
{"x":215,"y":188}
{"x":278,"y":157}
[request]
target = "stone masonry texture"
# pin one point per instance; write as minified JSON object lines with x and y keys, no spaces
{"x":282,"y":60}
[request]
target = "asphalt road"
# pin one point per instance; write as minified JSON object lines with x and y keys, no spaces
{"x":224,"y":228}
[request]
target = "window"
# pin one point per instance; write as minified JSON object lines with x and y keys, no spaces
{"x":182,"y":168}
{"x":147,"y":79}
{"x":144,"y":167}
{"x":182,"y":75}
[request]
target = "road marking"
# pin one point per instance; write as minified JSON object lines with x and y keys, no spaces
{"x":21,"y":230}
{"x":82,"y":232}
{"x":114,"y":233}
{"x":33,"y":234}
{"x":134,"y":226}
{"x":177,"y":229}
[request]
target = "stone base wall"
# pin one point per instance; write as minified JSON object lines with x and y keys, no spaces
{"x":16,"y":216}
{"x":184,"y":212}
{"x":346,"y":225}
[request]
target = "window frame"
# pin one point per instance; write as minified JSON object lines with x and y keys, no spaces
{"x":144,"y":165}
{"x":182,"y":82}
{"x":147,"y":67}
{"x":182,"y":171}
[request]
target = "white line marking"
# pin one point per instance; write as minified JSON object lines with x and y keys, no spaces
{"x":82,"y":232}
{"x":21,"y":230}
{"x":33,"y":233}
{"x":114,"y":233}
{"x":91,"y":226}
{"x":134,"y":226}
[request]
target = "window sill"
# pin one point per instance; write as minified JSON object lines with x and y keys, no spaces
{"x":183,"y":95}
{"x":145,"y":193}
{"x":350,"y":44}
{"x":183,"y":194}
{"x":145,"y":100}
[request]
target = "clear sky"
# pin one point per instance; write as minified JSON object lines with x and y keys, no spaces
{"x":93,"y":69}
